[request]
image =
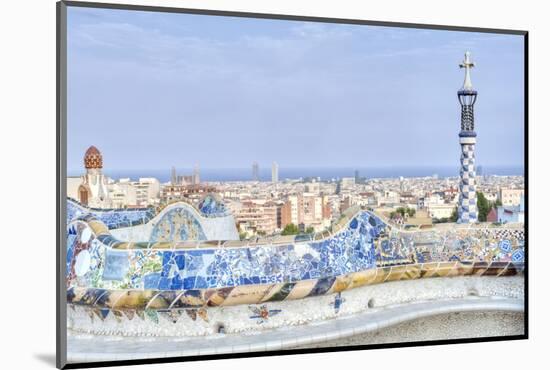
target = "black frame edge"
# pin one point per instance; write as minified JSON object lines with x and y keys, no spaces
{"x":526,"y":179}
{"x":61,"y":173}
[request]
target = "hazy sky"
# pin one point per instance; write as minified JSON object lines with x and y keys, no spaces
{"x":152,"y":90}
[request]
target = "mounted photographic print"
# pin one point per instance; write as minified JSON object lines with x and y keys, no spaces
{"x":234,"y":184}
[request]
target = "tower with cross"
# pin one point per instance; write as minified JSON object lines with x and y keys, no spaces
{"x":467,"y":204}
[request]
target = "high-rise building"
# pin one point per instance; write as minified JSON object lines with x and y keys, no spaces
{"x":173,"y":176}
{"x":274,"y":173}
{"x":467,"y":203}
{"x":255,"y":171}
{"x":479,"y":171}
{"x":196,"y":175}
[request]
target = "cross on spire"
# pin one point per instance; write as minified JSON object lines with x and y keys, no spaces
{"x":467,"y":64}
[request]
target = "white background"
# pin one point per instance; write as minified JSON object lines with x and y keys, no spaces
{"x":27,"y":182}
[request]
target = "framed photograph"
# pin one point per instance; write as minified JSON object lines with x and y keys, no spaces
{"x":235,"y":184}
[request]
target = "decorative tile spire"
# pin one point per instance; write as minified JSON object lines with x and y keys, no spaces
{"x":467,"y":203}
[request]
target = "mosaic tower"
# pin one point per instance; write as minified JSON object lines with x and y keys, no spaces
{"x":93,"y":189}
{"x":467,"y":204}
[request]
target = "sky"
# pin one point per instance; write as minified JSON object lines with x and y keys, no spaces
{"x":154,"y":90}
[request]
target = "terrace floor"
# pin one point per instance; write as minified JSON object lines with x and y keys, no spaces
{"x":90,"y":348}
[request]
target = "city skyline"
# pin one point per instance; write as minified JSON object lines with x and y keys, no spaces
{"x":330,"y":111}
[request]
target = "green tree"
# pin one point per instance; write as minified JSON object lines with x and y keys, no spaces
{"x":411,"y":212}
{"x":483,"y":207}
{"x":290,"y":229}
{"x":454,"y":215}
{"x":310,"y":230}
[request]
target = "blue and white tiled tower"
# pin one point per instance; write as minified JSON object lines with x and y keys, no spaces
{"x":467,"y":206}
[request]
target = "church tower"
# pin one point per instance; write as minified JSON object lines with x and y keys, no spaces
{"x":467,"y":204}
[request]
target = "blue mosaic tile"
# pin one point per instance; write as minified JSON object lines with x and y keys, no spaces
{"x":177,"y":224}
{"x":210,"y":206}
{"x":151,"y":281}
{"x":112,"y":218}
{"x":116,"y":265}
{"x":360,"y":246}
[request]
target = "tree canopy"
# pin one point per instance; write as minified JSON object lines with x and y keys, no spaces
{"x":483,"y":207}
{"x":290,"y":229}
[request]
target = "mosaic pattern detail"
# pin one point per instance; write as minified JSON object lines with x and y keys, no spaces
{"x":453,"y":244}
{"x":112,"y":218}
{"x":106,"y":273}
{"x":467,"y":116}
{"x":115,"y":218}
{"x":338,"y":301}
{"x":84,"y":256}
{"x":262,"y":313}
{"x":210,"y":206}
{"x":177,"y":224}
{"x":467,"y":203}
{"x":150,"y":300}
{"x":350,"y":250}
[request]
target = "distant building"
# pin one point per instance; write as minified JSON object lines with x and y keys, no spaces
{"x":189,"y":179}
{"x":345,"y":203}
{"x":255,"y":171}
{"x":313,"y":188}
{"x":368,"y":199}
{"x":421,"y":218}
{"x":185,"y":180}
{"x":389,"y":197}
{"x":73,"y":183}
{"x":173,"y":176}
{"x":274,"y":173}
{"x":147,"y":191}
{"x":123,"y":194}
{"x":196,"y":175}
{"x":308,"y":209}
{"x":256,"y":217}
{"x":516,"y":213}
{"x":510,"y":197}
{"x":191,"y":193}
{"x":142,"y":193}
{"x":479,"y":171}
{"x":347,"y":183}
{"x":440,"y":211}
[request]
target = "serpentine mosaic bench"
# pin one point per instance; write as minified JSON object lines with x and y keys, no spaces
{"x":107,"y":277}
